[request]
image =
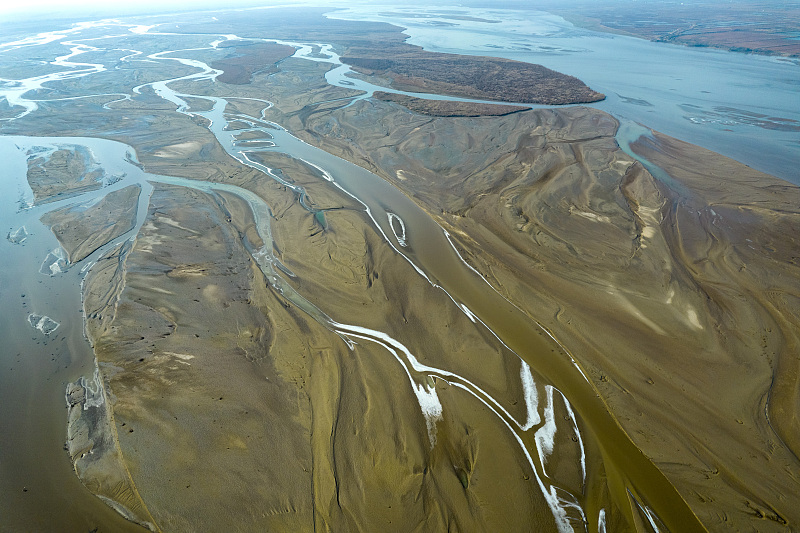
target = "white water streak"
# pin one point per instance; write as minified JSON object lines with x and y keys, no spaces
{"x":545,"y":435}
{"x":469,"y":313}
{"x":577,"y":433}
{"x":427,"y":398}
{"x":401,"y":237}
{"x":531,"y":396}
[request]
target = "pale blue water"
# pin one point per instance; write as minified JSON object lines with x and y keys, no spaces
{"x":744,"y":106}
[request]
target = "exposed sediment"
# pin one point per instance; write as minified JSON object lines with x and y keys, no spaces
{"x":64,"y":172}
{"x":303,"y":431}
{"x":81,"y":230}
{"x":93,"y":447}
{"x":447,"y":108}
{"x":682,"y":309}
{"x":221,"y":389}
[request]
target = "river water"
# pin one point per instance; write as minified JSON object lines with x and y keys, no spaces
{"x":40,"y":490}
{"x":743,"y":106}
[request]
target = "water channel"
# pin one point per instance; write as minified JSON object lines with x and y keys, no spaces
{"x":744,"y":106}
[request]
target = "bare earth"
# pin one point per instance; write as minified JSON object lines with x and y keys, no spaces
{"x":682,"y":308}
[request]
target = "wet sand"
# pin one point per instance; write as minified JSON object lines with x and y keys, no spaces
{"x":168,"y":313}
{"x":251,"y":389}
{"x":83,"y":229}
{"x":347,"y":279}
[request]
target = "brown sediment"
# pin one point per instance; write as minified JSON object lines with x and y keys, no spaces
{"x":237,"y":397}
{"x":447,"y":108}
{"x":65,"y":172}
{"x":355,"y":277}
{"x":81,"y":231}
{"x":488,"y":78}
{"x":270,"y":414}
{"x":380,"y":49}
{"x":665,"y":304}
{"x":92,"y":437}
{"x":92,"y":444}
{"x":751,"y":223}
{"x":184,"y":316}
{"x":249,"y":58}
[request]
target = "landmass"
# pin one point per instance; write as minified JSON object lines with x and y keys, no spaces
{"x":81,"y":230}
{"x":415,"y":70}
{"x":62,"y":173}
{"x":249,"y":58}
{"x":751,"y":26}
{"x":447,"y":108}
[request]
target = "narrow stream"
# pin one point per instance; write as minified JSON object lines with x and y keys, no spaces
{"x":36,"y":471}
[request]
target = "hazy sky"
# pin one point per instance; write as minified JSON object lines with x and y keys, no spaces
{"x":30,"y":8}
{"x":11,"y":10}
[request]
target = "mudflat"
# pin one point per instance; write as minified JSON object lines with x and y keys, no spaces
{"x":83,"y":229}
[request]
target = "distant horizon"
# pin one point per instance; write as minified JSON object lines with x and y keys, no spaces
{"x":58,"y":10}
{"x":54,"y":9}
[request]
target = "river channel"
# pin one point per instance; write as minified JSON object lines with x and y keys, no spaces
{"x":42,"y":491}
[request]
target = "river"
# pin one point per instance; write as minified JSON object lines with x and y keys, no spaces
{"x":746,"y":107}
{"x":37,"y":364}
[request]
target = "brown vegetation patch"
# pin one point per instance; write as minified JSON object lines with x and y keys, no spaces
{"x":374,"y":47}
{"x":489,"y":78}
{"x":755,"y":26}
{"x":250,"y":58}
{"x":447,"y":108}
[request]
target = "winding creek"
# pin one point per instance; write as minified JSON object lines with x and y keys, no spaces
{"x":39,"y":362}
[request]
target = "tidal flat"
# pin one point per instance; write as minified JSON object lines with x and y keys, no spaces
{"x":310,"y":306}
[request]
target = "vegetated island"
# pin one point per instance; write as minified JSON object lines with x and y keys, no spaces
{"x":488,"y":78}
{"x":448,"y":108}
{"x":380,"y":51}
